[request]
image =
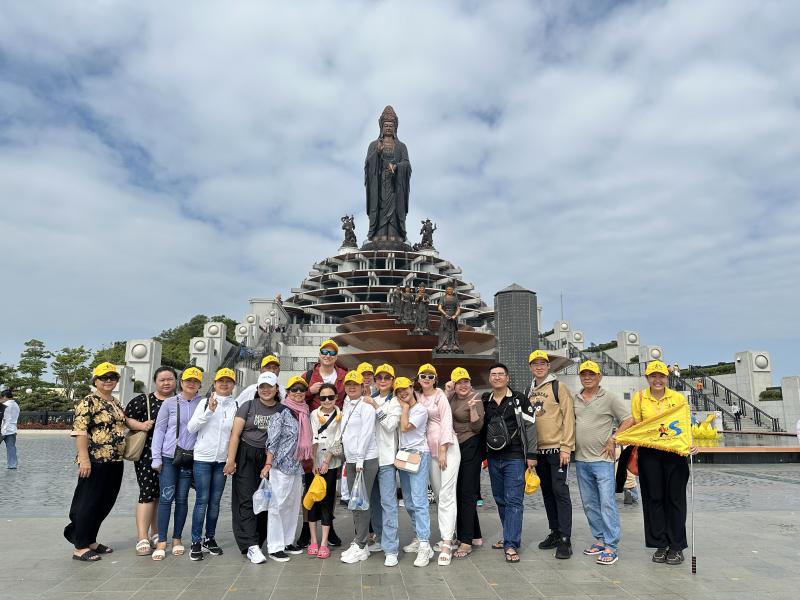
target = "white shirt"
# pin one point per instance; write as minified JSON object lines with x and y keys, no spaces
{"x":417,"y":438}
{"x":213,"y":429}
{"x":325,"y":439}
{"x":386,"y":427}
{"x":10,"y":418}
{"x":250,"y":391}
{"x":358,"y":420}
{"x":329,"y":378}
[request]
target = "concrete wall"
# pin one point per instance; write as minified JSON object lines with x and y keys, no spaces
{"x":753,"y":374}
{"x":791,"y":402}
{"x":621,"y":386}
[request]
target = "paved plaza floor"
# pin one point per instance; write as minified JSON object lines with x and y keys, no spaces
{"x":747,"y":543}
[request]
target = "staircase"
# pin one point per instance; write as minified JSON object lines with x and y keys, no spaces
{"x":608,"y":366}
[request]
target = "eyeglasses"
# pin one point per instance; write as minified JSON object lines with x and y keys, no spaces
{"x":325,"y":352}
{"x":427,"y":377}
{"x":296,"y":390}
{"x":383,"y":377}
{"x":109,"y":378}
{"x":327,"y":398}
{"x":498,"y":375}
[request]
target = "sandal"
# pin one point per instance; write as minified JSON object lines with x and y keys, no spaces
{"x":477,"y":542}
{"x":101,"y":549}
{"x":313,"y":549}
{"x":88,"y":556}
{"x":512,"y":556}
{"x":445,"y":554}
{"x":607,"y":557}
{"x":498,"y":545}
{"x":464,"y":550}
{"x":153,"y":541}
{"x":594,"y":549}
{"x":143,"y":548}
{"x":324,"y":552}
{"x":159,"y":554}
{"x":178,"y":550}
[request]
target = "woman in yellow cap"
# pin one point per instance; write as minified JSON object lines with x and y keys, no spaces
{"x":445,"y":457}
{"x":141,"y":413}
{"x":467,"y":409}
{"x":172,"y":440}
{"x":212,"y":422}
{"x":662,"y":475}
{"x":99,"y":432}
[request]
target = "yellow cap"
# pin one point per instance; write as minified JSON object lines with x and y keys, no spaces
{"x":365,"y":367}
{"x":458,"y":374}
{"x":384,"y":368}
{"x":354,"y":376}
{"x":538,"y":354}
{"x":402,"y":382}
{"x":225,"y":373}
{"x":104,"y":368}
{"x":295,"y":380}
{"x":329,"y":343}
{"x":589,"y":365}
{"x":270,"y":358}
{"x":656,"y":367}
{"x":316,"y":491}
{"x":192,"y":373}
{"x":427,"y":367}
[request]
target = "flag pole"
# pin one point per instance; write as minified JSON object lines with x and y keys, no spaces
{"x":691,"y":479}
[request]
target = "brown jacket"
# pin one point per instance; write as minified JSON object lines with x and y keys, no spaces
{"x":555,"y":421}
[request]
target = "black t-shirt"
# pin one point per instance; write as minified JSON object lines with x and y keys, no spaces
{"x":137,"y":409}
{"x":506,"y":409}
{"x":256,"y":421}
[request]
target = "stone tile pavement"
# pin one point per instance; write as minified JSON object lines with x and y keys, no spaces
{"x":747,"y":543}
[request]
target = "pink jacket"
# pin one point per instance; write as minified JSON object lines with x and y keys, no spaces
{"x":440,"y":420}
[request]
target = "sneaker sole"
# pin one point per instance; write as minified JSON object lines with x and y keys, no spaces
{"x":276,"y":559}
{"x":196,"y":557}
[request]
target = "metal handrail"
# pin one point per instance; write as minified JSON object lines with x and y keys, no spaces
{"x":720,"y":390}
{"x":608,"y":365}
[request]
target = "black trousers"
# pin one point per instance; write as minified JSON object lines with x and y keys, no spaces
{"x":663,"y":477}
{"x":249,"y":529}
{"x":93,"y":499}
{"x":323,"y":510}
{"x":555,"y":492}
{"x":468,"y":488}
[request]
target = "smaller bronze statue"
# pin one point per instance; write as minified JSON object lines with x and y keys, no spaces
{"x":426,"y":243}
{"x":422,"y":317}
{"x":397,"y":303}
{"x":349,"y":228}
{"x":449,"y":310}
{"x":390,"y":302}
{"x":407,"y":315}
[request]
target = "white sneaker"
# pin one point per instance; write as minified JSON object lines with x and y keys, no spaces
{"x":255,"y":556}
{"x":390,"y":560}
{"x":375,"y":547}
{"x":357,"y":555}
{"x":352,"y":548}
{"x":412,"y":547}
{"x":424,"y":555}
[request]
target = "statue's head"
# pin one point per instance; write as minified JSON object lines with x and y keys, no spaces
{"x":408,"y":289}
{"x":388,"y":122}
{"x":450,"y":290}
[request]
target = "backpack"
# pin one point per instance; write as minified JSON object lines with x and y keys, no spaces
{"x":497,"y":434}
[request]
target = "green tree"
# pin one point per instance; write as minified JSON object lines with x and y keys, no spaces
{"x":9,"y":376}
{"x":175,"y":342}
{"x":70,"y":368}
{"x":33,"y":363}
{"x":115,"y":354}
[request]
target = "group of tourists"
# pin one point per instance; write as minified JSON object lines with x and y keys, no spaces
{"x":365,"y":430}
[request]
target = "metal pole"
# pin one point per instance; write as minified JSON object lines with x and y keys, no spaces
{"x":691,"y":479}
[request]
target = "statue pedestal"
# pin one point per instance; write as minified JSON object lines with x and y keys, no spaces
{"x":345,"y":249}
{"x":381,"y":243}
{"x":428,"y":252}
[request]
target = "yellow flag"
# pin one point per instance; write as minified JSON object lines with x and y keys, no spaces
{"x":670,"y":431}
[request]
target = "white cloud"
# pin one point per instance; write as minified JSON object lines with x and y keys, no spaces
{"x":157,"y":162}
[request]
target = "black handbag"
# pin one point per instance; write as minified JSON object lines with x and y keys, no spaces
{"x":183,"y":458}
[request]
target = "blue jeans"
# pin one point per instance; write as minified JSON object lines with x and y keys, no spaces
{"x":209,"y":483}
{"x":415,"y":496}
{"x":383,"y":503}
{"x":11,"y":450}
{"x":508,"y":486}
{"x":174,"y":483}
{"x":597,"y":484}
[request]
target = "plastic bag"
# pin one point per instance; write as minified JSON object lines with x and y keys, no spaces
{"x":262,"y":497}
{"x":359,"y":498}
{"x":532,"y":481}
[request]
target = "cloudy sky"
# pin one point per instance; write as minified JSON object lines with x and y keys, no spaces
{"x":159,"y":160}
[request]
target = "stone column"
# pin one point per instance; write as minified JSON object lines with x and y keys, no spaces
{"x":753,"y":374}
{"x":144,"y":357}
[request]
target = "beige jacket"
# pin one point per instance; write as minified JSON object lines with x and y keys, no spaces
{"x":555,"y":421}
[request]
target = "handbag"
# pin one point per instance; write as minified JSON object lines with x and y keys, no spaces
{"x":408,"y":460}
{"x":337,"y":447}
{"x":136,"y":440}
{"x":183,"y":458}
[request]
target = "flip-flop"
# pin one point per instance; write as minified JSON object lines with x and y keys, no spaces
{"x":512,"y":556}
{"x":607,"y":558}
{"x":101,"y":549}
{"x":88,"y":556}
{"x":462,"y":553}
{"x":594,"y":550}
{"x":498,"y":545}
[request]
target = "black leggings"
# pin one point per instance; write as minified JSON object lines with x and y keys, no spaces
{"x":93,"y":499}
{"x":249,"y":529}
{"x":323,"y":510}
{"x":468,"y":487}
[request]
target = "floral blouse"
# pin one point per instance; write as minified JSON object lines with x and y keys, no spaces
{"x":103,"y":422}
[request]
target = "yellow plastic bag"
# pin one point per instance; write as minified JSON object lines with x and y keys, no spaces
{"x":531,"y":481}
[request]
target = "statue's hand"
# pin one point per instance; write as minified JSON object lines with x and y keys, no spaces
{"x":392,"y":167}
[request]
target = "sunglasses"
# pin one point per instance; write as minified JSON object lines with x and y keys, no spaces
{"x":427,"y":377}
{"x":384,"y":378}
{"x":328,"y":352}
{"x":296,"y":390}
{"x":109,"y":378}
{"x":327,"y":398}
